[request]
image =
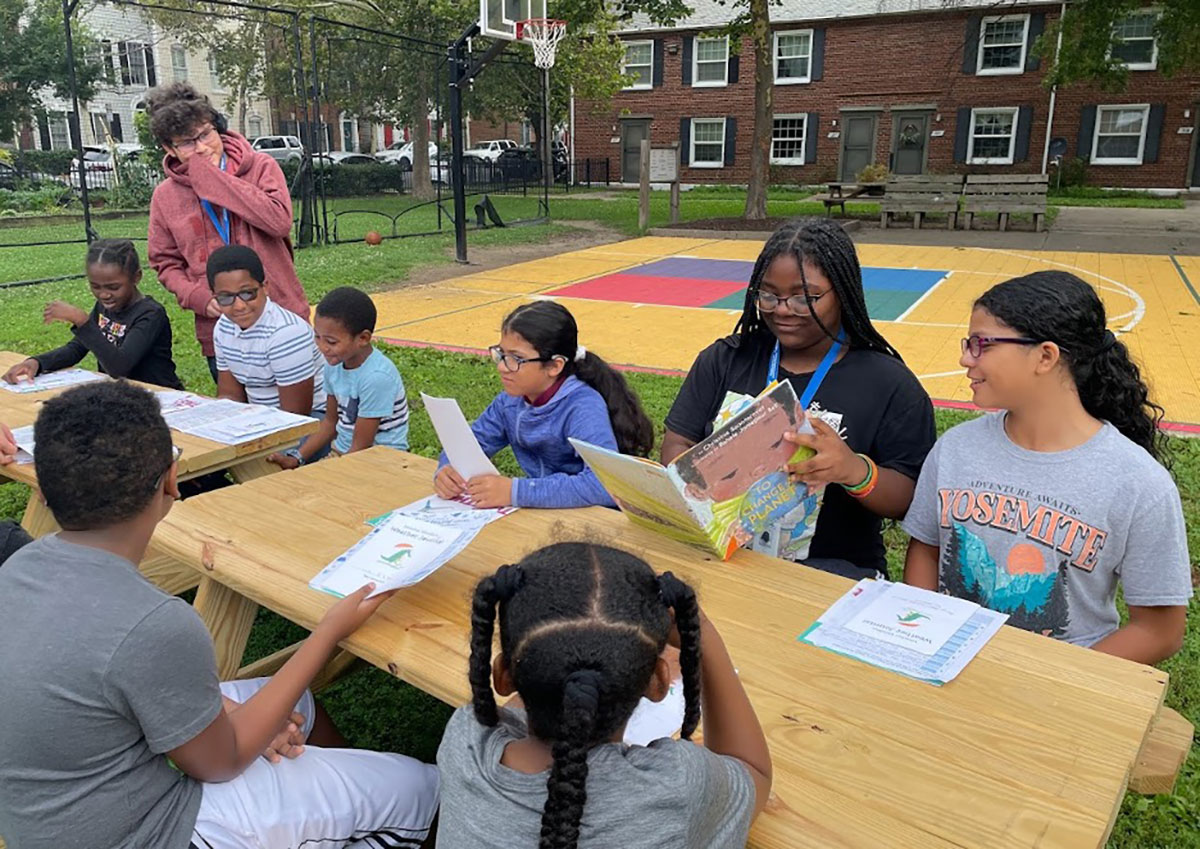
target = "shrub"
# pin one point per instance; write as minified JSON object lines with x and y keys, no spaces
{"x":55,"y":162}
{"x":341,"y":181}
{"x":43,"y":199}
{"x":873,"y":173}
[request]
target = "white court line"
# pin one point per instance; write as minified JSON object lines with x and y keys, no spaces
{"x":921,"y":299}
{"x":942,"y":374}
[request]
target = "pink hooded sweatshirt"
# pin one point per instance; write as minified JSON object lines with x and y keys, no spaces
{"x":181,"y":236}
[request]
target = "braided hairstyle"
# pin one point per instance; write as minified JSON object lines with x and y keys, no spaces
{"x":551,"y":329}
{"x":581,"y":627}
{"x":118,"y":252}
{"x":825,"y":244}
{"x":1058,"y":307}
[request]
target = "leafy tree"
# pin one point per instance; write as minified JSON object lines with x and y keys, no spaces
{"x":32,"y":58}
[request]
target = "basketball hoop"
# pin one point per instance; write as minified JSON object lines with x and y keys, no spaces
{"x":544,"y":35}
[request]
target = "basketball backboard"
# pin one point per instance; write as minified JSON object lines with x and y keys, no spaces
{"x":498,"y":18}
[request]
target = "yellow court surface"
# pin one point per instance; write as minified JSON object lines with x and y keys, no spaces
{"x":653,"y":303}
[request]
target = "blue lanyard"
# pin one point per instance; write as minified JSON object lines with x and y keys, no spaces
{"x":814,"y":382}
{"x":222,"y":225}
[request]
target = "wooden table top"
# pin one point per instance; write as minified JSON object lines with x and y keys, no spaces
{"x":1031,"y":746}
{"x":199,"y":457}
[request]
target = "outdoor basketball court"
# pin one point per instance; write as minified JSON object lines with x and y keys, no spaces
{"x":653,"y":303}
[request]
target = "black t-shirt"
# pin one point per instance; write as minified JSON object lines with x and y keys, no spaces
{"x":885,"y":414}
{"x":134,"y":343}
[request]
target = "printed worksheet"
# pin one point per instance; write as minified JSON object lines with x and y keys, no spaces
{"x":53,"y":380}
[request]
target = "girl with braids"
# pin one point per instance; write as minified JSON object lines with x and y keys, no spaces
{"x":805,"y":321}
{"x":128,"y":332}
{"x":1040,"y":509}
{"x":554,"y":388}
{"x":582,"y":633}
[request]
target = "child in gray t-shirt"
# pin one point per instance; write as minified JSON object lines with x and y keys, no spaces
{"x":582,"y":632}
{"x":1040,"y":510}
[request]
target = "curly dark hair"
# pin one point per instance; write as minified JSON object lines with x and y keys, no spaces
{"x":551,"y":329}
{"x":101,"y":448}
{"x":176,"y":110}
{"x":825,"y":244}
{"x":581,"y":628}
{"x":1058,"y":307}
{"x":352,"y":308}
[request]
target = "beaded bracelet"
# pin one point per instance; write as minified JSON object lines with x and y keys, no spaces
{"x":868,"y":484}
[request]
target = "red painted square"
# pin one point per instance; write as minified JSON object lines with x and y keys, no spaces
{"x":644,"y":289}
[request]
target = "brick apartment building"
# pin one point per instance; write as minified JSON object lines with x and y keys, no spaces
{"x":911,"y":84}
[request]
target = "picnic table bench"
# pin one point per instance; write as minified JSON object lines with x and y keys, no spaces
{"x":837,"y":195}
{"x":1006,"y":194}
{"x":1032,"y":745}
{"x":921,"y":194}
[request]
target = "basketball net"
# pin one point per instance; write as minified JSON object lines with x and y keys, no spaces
{"x":543,"y":35}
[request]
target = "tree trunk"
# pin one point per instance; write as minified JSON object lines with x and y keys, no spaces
{"x":422,"y":185}
{"x":764,"y":89}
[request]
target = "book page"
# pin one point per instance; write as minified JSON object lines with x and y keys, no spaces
{"x":912,"y":618}
{"x":458,"y":441}
{"x":53,"y":380}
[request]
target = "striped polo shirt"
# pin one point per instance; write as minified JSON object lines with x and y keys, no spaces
{"x":277,"y":350}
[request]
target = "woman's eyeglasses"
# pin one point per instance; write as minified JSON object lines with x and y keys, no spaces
{"x":512,"y":362}
{"x":188,"y":145}
{"x":797,"y":304}
{"x":226,"y":299}
{"x":976,"y":345}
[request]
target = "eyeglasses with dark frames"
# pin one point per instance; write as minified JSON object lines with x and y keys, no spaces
{"x":976,"y":345}
{"x":797,"y":304}
{"x":226,"y":299}
{"x":513,"y":362}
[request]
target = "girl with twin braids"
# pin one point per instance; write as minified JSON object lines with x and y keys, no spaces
{"x":582,"y":632}
{"x":1041,"y":509}
{"x":805,"y":321}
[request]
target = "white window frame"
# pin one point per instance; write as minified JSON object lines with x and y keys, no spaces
{"x":1153,"y":63}
{"x":972,"y":159}
{"x":692,"y":163}
{"x":214,"y":72}
{"x":179,"y":70}
{"x":790,"y":160}
{"x":58,"y":121}
{"x":775,"y":57}
{"x":696,"y":81}
{"x":137,"y":49}
{"x":650,"y":65}
{"x":1020,"y":67}
{"x":1110,"y":160}
{"x":347,"y":118}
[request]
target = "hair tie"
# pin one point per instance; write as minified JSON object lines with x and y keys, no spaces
{"x":670,"y":589}
{"x":582,"y":690}
{"x":580,"y":353}
{"x":1107,"y":342}
{"x":507,"y":580}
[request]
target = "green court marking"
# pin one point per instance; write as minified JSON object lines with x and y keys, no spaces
{"x":1184,"y":277}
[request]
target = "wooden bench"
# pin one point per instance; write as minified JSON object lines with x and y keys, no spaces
{"x":1006,"y":194}
{"x":920,"y":195}
{"x":838,"y":196}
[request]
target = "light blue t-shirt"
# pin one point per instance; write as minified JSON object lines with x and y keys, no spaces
{"x":374,"y":390}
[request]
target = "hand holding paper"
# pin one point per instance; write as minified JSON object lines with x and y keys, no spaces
{"x":459,"y":443}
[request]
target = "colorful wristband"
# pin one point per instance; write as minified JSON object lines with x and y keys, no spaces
{"x":862,"y":490}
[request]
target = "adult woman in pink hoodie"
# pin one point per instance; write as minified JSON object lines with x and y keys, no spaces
{"x":219,"y":191}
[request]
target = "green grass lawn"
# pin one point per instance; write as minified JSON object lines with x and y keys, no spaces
{"x":372,"y":707}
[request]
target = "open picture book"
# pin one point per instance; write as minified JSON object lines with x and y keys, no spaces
{"x":728,"y":491}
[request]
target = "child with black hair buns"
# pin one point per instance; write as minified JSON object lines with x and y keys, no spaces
{"x":129,"y":332}
{"x":1041,"y":509}
{"x":805,"y":321}
{"x":582,"y":633}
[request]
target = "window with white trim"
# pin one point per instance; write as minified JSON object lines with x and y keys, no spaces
{"x":256,"y":126}
{"x":1002,"y":41}
{"x":639,"y":64}
{"x":787,"y":139}
{"x":993,"y":136}
{"x":1134,"y":43}
{"x":1120,"y":134}
{"x":710,"y":62}
{"x":134,"y":69}
{"x":60,"y":135}
{"x":708,"y":143}
{"x":214,"y":72}
{"x":793,"y":56}
{"x":178,"y":63}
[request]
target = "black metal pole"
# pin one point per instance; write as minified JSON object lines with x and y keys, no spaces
{"x":458,"y":79}
{"x":306,"y":182}
{"x":319,"y":133}
{"x":547,"y":144}
{"x":73,"y":119}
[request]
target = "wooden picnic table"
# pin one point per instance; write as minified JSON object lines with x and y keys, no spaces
{"x":245,"y":461}
{"x":1033,"y":745}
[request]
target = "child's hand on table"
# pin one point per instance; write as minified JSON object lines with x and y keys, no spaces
{"x":488,"y":491}
{"x":25,"y":370}
{"x":349,"y":614}
{"x":284,"y":461}
{"x":62,"y":311}
{"x":449,"y":484}
{"x":8,"y":445}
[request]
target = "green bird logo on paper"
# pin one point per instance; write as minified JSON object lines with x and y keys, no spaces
{"x":910,"y":618}
{"x":403,"y":550}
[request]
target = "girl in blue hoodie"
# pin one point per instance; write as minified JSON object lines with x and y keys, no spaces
{"x":553,"y":389}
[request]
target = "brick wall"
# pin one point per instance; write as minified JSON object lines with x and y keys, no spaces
{"x":891,"y":64}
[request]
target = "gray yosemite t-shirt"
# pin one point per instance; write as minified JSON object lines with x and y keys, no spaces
{"x":1046,"y":536}
{"x":101,"y":674}
{"x":671,"y":794}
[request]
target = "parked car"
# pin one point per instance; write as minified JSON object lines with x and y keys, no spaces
{"x":11,"y":177}
{"x":491,"y":150}
{"x":519,"y":163}
{"x":279,"y":148}
{"x":337,"y":158}
{"x":99,"y":168}
{"x":401,"y":153}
